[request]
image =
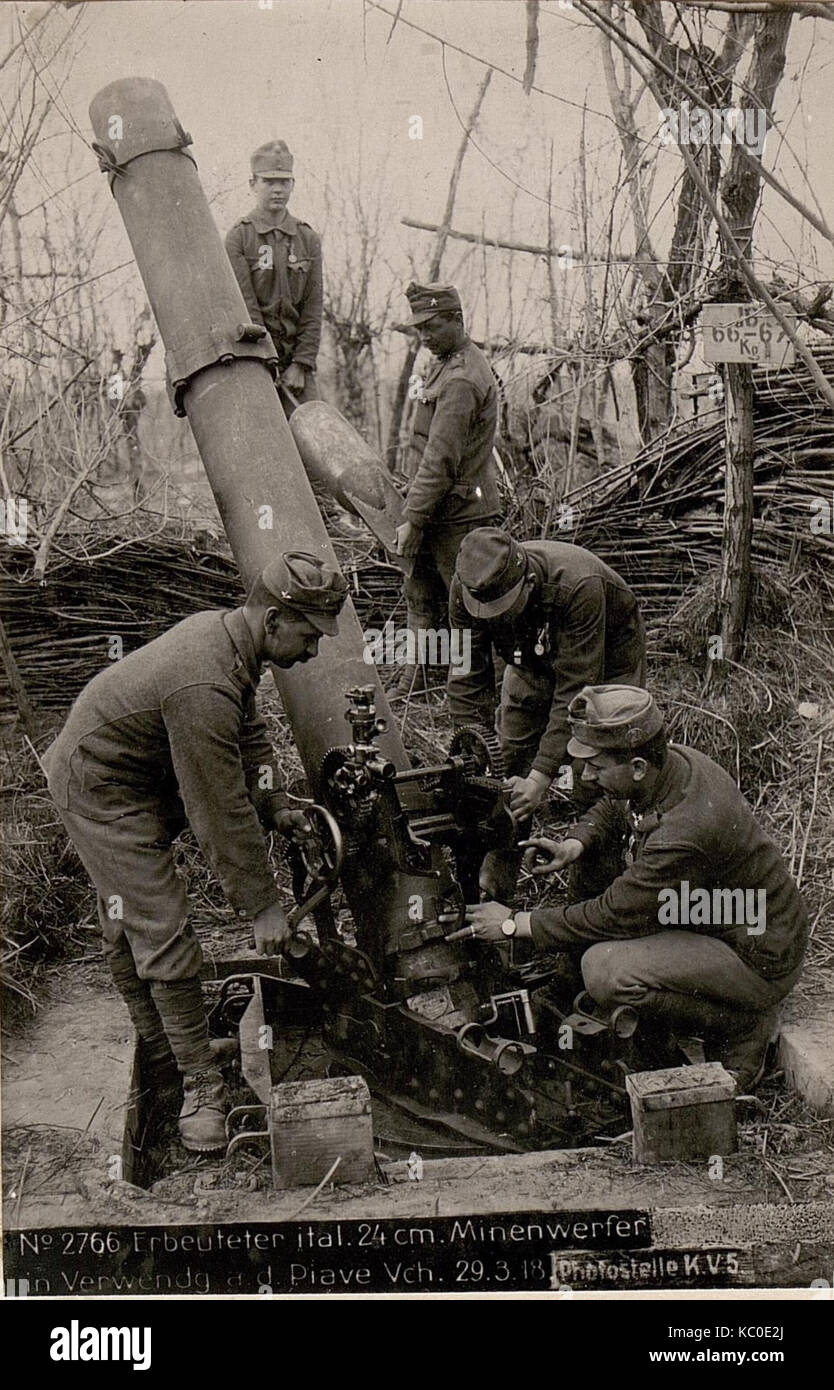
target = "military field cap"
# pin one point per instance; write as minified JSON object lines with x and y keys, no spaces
{"x":491,"y":567}
{"x":427,"y":300}
{"x":616,"y":717}
{"x":308,"y":587}
{"x":272,"y":160}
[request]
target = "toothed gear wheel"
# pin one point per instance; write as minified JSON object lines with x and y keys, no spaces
{"x":482,"y":746}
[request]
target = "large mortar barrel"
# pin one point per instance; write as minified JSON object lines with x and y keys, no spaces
{"x":220,"y":375}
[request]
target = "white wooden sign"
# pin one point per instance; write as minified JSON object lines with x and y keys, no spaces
{"x":745,"y":333}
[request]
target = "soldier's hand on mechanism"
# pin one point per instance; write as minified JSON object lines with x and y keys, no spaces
{"x":526,"y":794}
{"x":293,"y":824}
{"x":408,"y":540}
{"x":294,"y":377}
{"x":272,"y":931}
{"x":483,"y":923}
{"x":487,"y":922}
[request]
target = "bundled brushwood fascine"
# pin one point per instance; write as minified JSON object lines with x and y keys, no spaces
{"x":62,"y":632}
{"x":659,"y":519}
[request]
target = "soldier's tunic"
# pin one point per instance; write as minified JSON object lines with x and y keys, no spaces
{"x":169,"y":734}
{"x":278,"y":266}
{"x":453,"y":478}
{"x":581,"y":626}
{"x":699,"y":832}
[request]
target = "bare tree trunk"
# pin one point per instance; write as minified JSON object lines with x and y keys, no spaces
{"x":740,"y":192}
{"x":710,"y":74}
{"x":734,"y":591}
{"x":591,"y":333}
{"x":401,"y":395}
{"x":646,"y":264}
{"x":553,"y":296}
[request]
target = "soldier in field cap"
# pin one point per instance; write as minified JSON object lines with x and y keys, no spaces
{"x":167,"y":736}
{"x":453,"y":481}
{"x":560,"y":619}
{"x":277,"y":261}
{"x":701,"y":927}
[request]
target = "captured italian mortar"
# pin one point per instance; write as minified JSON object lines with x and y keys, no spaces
{"x":503,"y":1052}
{"x":492,"y":1049}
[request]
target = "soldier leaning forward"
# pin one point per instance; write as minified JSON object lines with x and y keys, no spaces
{"x":561,"y":619}
{"x":167,"y":736}
{"x":700,"y":927}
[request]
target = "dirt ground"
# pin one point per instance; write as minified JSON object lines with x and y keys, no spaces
{"x":786,"y":1153}
{"x":775,"y":1196}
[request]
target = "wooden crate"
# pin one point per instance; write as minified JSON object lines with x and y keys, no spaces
{"x":312,"y":1123}
{"x":682,"y":1113}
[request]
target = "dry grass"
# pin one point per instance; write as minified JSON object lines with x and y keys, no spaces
{"x":770,"y":723}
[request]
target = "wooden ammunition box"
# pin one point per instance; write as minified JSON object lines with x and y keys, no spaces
{"x":682,"y":1113}
{"x":312,"y":1123}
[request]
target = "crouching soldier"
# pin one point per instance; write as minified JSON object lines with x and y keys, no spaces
{"x":561,"y":620}
{"x":169,"y":735}
{"x":704,"y":929}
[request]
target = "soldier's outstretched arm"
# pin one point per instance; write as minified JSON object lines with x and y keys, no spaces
{"x":633,"y":904}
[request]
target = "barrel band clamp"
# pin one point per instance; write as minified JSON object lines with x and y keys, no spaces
{"x":185,"y":361}
{"x":114,"y":166}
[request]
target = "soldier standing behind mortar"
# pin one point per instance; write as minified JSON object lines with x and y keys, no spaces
{"x":453,"y":483}
{"x":277,"y":261}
